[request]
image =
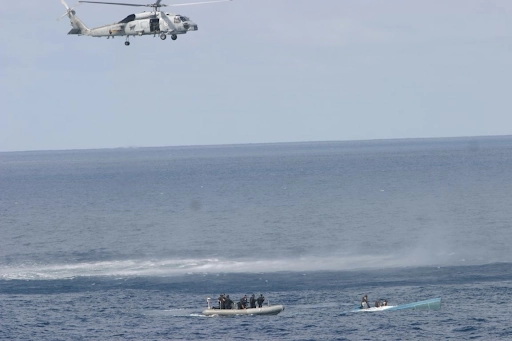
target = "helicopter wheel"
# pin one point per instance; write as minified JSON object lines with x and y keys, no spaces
{"x":163,"y":36}
{"x":127,"y":43}
{"x":174,"y":37}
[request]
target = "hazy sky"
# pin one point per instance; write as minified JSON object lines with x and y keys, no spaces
{"x":257,"y":71}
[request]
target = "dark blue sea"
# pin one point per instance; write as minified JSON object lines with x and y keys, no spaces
{"x":127,"y":244}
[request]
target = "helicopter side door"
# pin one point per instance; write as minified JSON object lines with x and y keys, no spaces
{"x":154,"y":25}
{"x":148,"y":26}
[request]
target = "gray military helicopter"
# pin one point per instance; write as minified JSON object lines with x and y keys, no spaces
{"x":153,"y":23}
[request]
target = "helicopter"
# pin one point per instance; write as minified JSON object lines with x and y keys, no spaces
{"x":154,"y":23}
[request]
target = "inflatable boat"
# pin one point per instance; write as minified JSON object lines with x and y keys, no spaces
{"x":265,"y":310}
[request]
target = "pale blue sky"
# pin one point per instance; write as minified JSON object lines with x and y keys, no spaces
{"x":257,"y":71}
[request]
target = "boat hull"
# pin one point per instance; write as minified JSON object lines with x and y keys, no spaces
{"x":269,"y":310}
{"x":432,"y":304}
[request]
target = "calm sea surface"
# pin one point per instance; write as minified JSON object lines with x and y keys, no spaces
{"x":127,"y":244}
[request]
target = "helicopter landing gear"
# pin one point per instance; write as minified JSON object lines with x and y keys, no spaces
{"x":127,"y":42}
{"x":174,"y":37}
{"x":163,"y":36}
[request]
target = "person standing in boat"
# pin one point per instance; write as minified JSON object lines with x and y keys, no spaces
{"x":222,"y":300}
{"x":243,"y":303}
{"x":364,"y":302}
{"x":229,"y":303}
{"x":252,"y":301}
{"x":377,"y":304}
{"x":260,"y":300}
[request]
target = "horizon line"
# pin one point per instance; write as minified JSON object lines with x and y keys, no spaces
{"x":253,"y":143}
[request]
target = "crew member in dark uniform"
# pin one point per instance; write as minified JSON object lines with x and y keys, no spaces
{"x":260,"y":300}
{"x":229,"y":302}
{"x":221,"y":299}
{"x":252,"y":301}
{"x":244,"y":302}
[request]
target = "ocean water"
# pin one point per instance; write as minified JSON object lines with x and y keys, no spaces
{"x":127,"y":244}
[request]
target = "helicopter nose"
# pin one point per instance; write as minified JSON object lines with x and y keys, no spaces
{"x":191,"y":26}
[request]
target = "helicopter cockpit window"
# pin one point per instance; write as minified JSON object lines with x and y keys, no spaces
{"x":184,"y":18}
{"x":126,"y":20}
{"x":177,"y":20}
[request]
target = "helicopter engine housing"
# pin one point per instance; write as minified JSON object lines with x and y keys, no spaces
{"x":145,"y":15}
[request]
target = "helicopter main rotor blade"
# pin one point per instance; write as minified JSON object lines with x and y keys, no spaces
{"x":198,"y":3}
{"x":124,"y":4}
{"x":155,"y":5}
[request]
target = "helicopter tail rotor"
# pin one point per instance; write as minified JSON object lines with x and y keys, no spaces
{"x":65,"y":4}
{"x":69,"y":10}
{"x":77,"y":24}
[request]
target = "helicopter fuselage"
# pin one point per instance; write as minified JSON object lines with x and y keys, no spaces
{"x":145,"y":23}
